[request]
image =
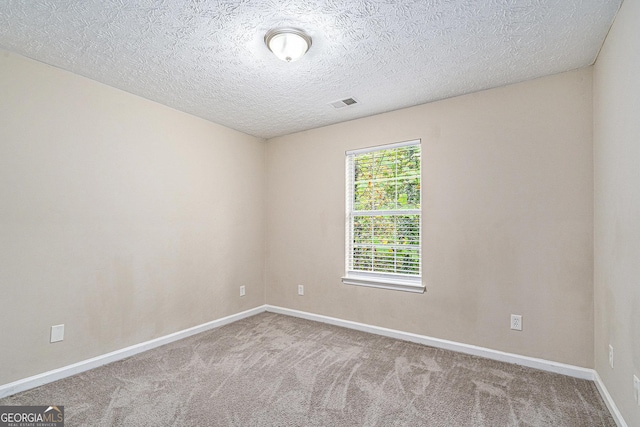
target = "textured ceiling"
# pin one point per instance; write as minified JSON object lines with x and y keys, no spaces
{"x":208,"y":58}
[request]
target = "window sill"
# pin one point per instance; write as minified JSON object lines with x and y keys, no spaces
{"x":412,"y":284}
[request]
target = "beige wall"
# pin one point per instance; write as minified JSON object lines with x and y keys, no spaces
{"x":507,"y":226}
{"x":121,"y":218}
{"x":617,"y":208}
{"x":127,"y":220}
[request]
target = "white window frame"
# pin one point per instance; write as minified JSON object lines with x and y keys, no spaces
{"x":393,"y":281}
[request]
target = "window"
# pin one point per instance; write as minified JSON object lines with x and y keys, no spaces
{"x":383,"y":217}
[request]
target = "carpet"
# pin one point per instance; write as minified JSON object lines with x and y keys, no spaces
{"x":275,"y":370}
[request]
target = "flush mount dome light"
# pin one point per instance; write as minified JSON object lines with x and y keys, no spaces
{"x":288,"y":44}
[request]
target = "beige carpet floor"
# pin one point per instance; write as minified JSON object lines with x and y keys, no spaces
{"x":275,"y":370}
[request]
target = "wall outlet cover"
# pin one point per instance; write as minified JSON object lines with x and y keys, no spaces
{"x":636,"y":389}
{"x":57,"y":333}
{"x":611,"y":356}
{"x":516,"y":322}
{"x":242,"y":291}
{"x":300,"y":289}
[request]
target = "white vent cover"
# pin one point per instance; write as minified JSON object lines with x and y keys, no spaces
{"x":343,"y":103}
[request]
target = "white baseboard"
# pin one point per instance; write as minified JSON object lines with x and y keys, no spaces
{"x":532,"y":362}
{"x":608,"y":400}
{"x":85,"y":365}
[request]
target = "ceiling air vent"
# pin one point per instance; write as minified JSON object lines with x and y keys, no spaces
{"x":343,"y":103}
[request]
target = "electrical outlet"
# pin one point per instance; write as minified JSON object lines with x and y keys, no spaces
{"x":242,"y":291}
{"x":57,"y":333}
{"x":300,"y":289}
{"x":516,"y":322}
{"x":611,"y":356}
{"x":636,"y":389}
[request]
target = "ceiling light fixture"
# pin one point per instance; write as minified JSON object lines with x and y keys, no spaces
{"x":288,"y":44}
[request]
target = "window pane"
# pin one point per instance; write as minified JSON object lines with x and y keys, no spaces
{"x":363,"y":196}
{"x":363,"y":182}
{"x":384,"y":260}
{"x":387,"y":243}
{"x":362,"y":230}
{"x":362,"y":258}
{"x":387,"y":179}
{"x":408,"y":229}
{"x":408,"y":261}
